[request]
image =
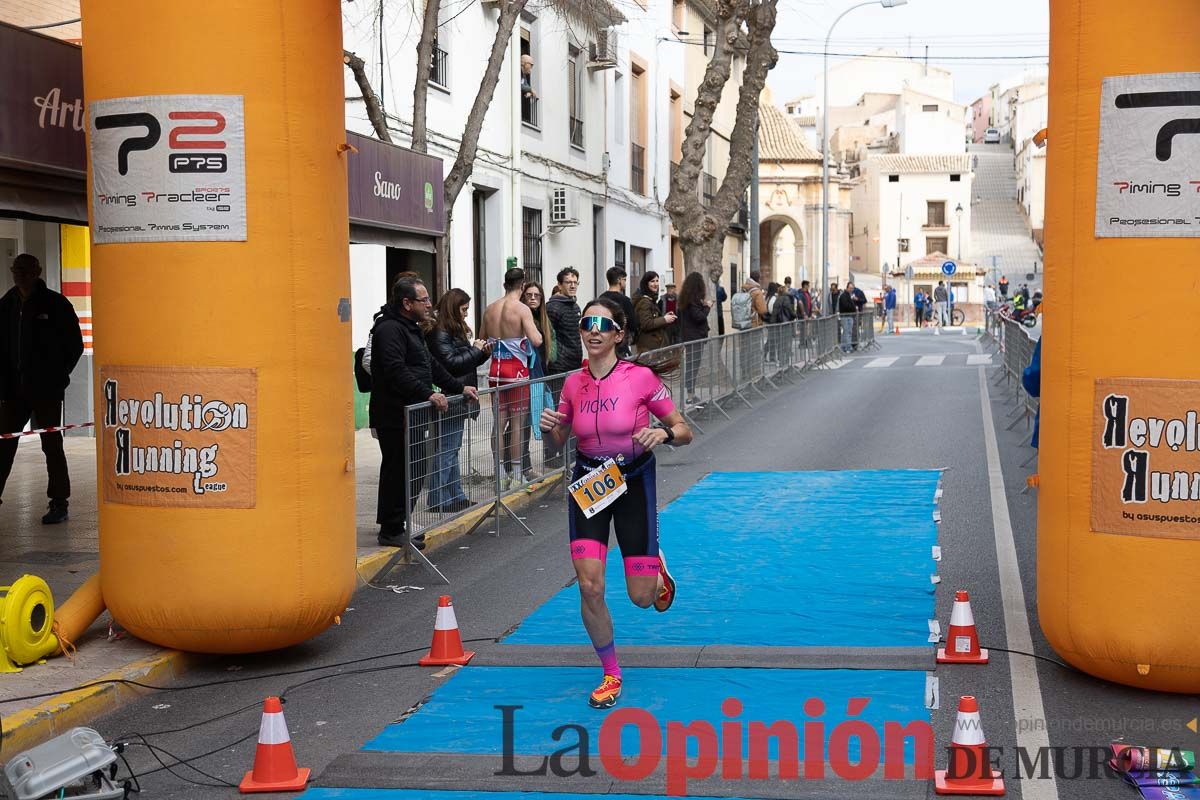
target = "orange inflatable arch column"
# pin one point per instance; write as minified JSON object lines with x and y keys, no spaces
{"x":1119,"y":507}
{"x":221,"y":298}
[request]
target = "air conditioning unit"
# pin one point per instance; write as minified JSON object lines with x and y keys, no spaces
{"x":563,"y":207}
{"x":602,"y":53}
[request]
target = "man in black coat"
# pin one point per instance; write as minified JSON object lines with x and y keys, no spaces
{"x":617,"y":279}
{"x":563,"y":310}
{"x":40,"y":343}
{"x":404,"y":373}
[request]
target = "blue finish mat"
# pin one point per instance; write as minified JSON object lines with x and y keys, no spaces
{"x":779,"y":559}
{"x":462,"y":717}
{"x":424,"y":794}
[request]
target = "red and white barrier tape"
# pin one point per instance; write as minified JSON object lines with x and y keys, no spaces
{"x":54,"y":429}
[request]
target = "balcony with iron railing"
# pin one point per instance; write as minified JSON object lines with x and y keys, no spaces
{"x":530,"y":114}
{"x":439,"y":72}
{"x":576,"y":132}
{"x":637,"y":170}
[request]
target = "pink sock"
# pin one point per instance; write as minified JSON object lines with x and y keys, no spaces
{"x":608,"y":659}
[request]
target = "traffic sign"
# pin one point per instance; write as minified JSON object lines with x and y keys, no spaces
{"x":908,"y":272}
{"x":949,"y":268}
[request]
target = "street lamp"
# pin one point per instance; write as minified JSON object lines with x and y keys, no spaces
{"x":825,"y":145}
{"x":958,"y":213}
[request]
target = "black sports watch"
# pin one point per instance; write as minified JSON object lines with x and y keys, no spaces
{"x":670,"y":435}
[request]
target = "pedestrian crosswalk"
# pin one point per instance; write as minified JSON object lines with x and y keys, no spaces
{"x":915,"y":360}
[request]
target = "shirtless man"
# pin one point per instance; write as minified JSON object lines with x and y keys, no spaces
{"x":510,"y":323}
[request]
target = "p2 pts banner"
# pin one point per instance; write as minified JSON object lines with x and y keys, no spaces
{"x":1148,"y":177}
{"x":1146,"y":458}
{"x":179,"y":436}
{"x":168,"y":168}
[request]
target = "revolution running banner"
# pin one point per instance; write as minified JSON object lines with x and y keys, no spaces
{"x":178,"y":436}
{"x":1146,"y":458}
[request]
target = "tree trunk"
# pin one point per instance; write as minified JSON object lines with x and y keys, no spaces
{"x":429,"y":28}
{"x":464,"y":162}
{"x":358,"y":68}
{"x":744,"y":27}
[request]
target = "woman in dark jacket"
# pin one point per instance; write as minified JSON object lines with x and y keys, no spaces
{"x":693,"y":311}
{"x":450,"y":343}
{"x":653,"y":324}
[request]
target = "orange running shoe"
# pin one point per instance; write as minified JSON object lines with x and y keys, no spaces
{"x":605,"y":695}
{"x":666,"y":595}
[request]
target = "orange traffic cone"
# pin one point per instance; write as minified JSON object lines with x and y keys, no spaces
{"x":962,"y":638}
{"x":970,"y":771}
{"x":274,"y":763}
{"x":447,"y":644}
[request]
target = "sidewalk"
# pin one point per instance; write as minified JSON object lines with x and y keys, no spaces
{"x":66,"y":555}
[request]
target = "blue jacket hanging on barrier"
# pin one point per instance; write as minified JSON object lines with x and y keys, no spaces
{"x":1031,"y":379}
{"x":540,"y":396}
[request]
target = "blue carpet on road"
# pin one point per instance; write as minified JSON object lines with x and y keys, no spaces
{"x":462,"y":717}
{"x":423,"y":794}
{"x":779,"y":558}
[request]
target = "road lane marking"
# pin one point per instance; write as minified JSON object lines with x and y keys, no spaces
{"x":1026,"y":686}
{"x":886,"y":361}
{"x":977,"y":360}
{"x":930,"y":361}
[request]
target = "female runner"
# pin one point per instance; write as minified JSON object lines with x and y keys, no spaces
{"x":607,"y":406}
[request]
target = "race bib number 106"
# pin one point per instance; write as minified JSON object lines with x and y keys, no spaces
{"x":598,"y":489}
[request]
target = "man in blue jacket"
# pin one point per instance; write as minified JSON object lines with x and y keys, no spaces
{"x":889,"y":308}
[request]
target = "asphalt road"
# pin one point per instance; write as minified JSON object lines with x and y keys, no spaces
{"x":897,"y":416}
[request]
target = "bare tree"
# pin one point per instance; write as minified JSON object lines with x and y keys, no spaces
{"x":429,"y":28}
{"x":743,"y":28}
{"x":464,"y":161}
{"x":358,"y":68}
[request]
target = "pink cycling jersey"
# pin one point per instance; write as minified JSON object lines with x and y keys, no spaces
{"x":605,"y":413}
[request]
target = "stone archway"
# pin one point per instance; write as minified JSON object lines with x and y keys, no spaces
{"x":781,"y":231}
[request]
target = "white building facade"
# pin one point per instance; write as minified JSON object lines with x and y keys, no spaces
{"x":576,"y":176}
{"x":907,"y":207}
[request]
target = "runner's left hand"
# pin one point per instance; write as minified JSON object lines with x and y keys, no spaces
{"x":650,"y":438}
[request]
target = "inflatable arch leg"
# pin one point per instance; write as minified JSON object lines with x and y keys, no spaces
{"x":223,"y":404}
{"x":1119,"y":517}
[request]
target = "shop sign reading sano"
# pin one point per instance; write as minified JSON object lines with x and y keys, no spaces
{"x":179,"y":436}
{"x":1146,"y":458}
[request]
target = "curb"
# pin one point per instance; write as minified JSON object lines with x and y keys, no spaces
{"x":56,"y":715}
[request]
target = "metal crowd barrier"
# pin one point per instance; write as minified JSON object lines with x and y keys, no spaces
{"x":480,"y":455}
{"x":1015,"y":346}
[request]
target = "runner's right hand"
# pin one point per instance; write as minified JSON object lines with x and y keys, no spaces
{"x":550,"y":419}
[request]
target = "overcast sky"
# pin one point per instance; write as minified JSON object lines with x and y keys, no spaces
{"x":969,"y":37}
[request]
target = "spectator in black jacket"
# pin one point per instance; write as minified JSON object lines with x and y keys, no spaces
{"x":404,"y":373}
{"x":618,"y":278}
{"x":846,"y":309}
{"x":40,"y":344}
{"x":693,"y":311}
{"x":564,"y":313}
{"x":450,"y":343}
